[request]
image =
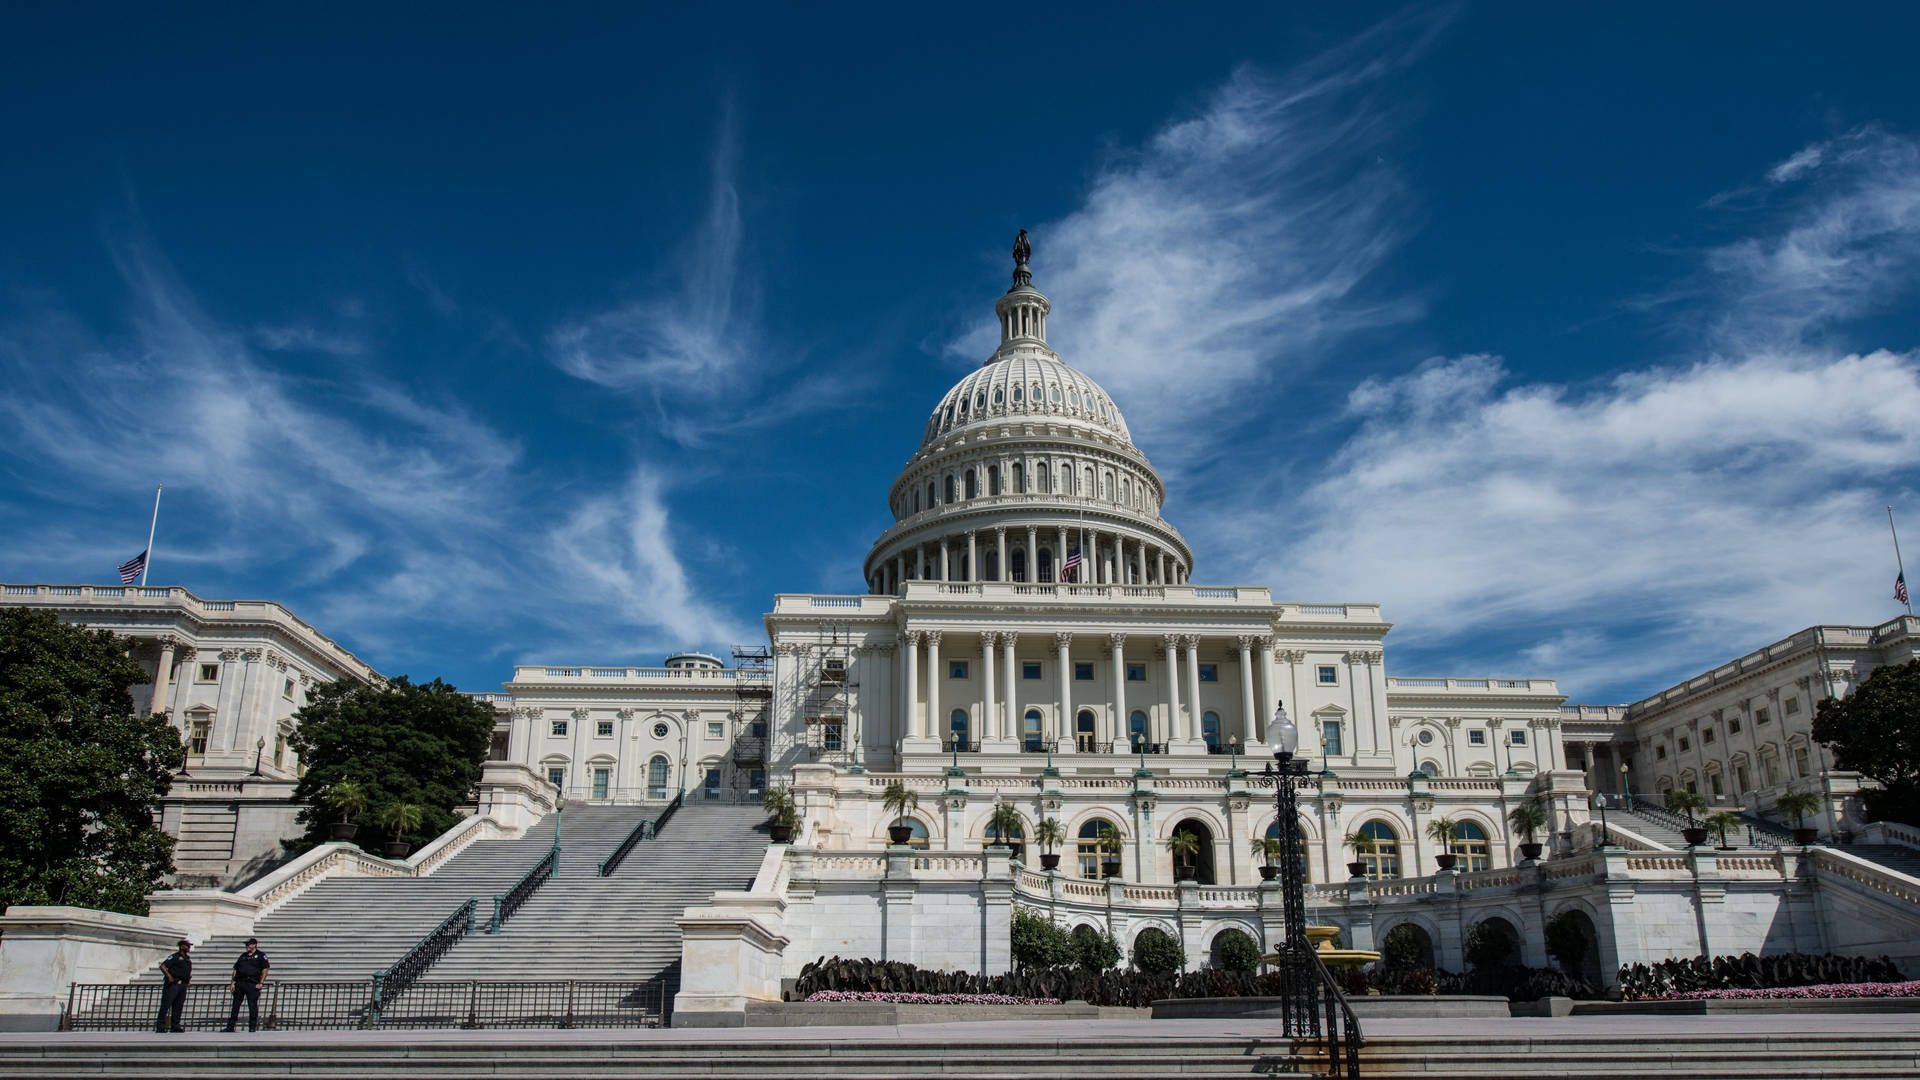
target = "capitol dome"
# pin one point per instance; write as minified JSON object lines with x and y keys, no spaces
{"x":1026,"y":473}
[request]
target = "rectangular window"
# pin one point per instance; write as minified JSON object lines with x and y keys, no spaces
{"x":1685,"y":744}
{"x":830,"y":737}
{"x":1792,"y":706}
{"x":557,"y":776}
{"x":756,"y":780}
{"x":1083,"y":673}
{"x":1136,"y":673}
{"x":758,"y":728}
{"x":1741,"y":785}
{"x":956,"y":669}
{"x":1516,"y":738}
{"x":716,"y":730}
{"x":1773,"y":771}
{"x":1706,"y":736}
{"x":559,"y":727}
{"x":1330,"y":738}
{"x":1762,"y":716}
{"x":197,"y":737}
{"x":1209,"y":673}
{"x":286,"y":691}
{"x":1733,"y":726}
{"x":603,"y":728}
{"x":1029,"y":669}
{"x":279,"y":751}
{"x":209,"y":672}
{"x":1800,"y":761}
{"x":1660,"y":753}
{"x":1329,"y":675}
{"x":1476,"y":738}
{"x":601,"y":779}
{"x":1713,"y":781}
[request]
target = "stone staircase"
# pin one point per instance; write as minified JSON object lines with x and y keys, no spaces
{"x":1896,"y":857}
{"x":620,"y":928}
{"x":1650,"y":824}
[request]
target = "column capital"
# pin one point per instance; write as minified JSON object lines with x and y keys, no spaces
{"x":1172,"y":640}
{"x":913,"y":637}
{"x":1246,"y":641}
{"x":933,"y":637}
{"x":1263,"y":642}
{"x":988,"y":639}
{"x":1290,"y":656}
{"x":1062,"y":639}
{"x":1117,"y":642}
{"x":1191,"y":641}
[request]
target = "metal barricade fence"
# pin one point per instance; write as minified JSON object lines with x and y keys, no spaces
{"x":288,"y":1006}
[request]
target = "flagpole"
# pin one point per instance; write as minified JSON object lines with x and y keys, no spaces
{"x":1896,"y":554}
{"x":151,"y":525}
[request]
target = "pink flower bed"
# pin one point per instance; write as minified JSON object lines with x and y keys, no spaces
{"x":927,"y":999}
{"x":1831,"y":990}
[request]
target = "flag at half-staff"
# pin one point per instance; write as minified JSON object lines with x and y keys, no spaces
{"x":131,"y":570}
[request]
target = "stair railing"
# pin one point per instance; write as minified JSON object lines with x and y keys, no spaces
{"x":1342,"y":1038}
{"x":505,"y":904}
{"x":646,"y":830}
{"x":407,"y":970}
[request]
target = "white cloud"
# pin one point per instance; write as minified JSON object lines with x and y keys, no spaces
{"x":1234,"y":244}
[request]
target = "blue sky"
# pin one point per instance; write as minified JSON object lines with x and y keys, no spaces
{"x":1585,"y":341}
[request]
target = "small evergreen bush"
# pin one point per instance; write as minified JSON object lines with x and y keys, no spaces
{"x":1157,"y":952}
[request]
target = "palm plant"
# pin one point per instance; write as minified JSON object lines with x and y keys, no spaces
{"x":351,"y":799}
{"x":1269,"y":848}
{"x":1444,"y":831}
{"x":1185,"y":847}
{"x":1528,"y":819}
{"x":1720,"y":821}
{"x":1797,"y":805}
{"x":1050,"y":834}
{"x":1685,"y":801}
{"x":1004,"y":824}
{"x":777,"y":801}
{"x":1107,"y":842}
{"x":399,"y":819}
{"x":1362,"y":844}
{"x":897,"y":800}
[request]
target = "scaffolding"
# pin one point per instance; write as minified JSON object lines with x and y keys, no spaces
{"x":753,"y":719}
{"x":829,"y":695}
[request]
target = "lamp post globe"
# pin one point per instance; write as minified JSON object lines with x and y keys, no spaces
{"x":1283,"y":738}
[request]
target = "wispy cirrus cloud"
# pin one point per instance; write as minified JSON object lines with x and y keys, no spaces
{"x":1235,"y":244}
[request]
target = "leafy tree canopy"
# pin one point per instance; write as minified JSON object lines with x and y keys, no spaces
{"x":79,"y":772}
{"x":1876,"y":732}
{"x":402,"y":743}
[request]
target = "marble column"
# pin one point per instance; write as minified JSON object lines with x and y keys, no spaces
{"x":973,"y":558}
{"x":989,"y":724}
{"x":163,"y":679}
{"x":1173,"y":687}
{"x":1033,"y":555}
{"x":1060,"y":556}
{"x":935,"y":721}
{"x":910,"y":716}
{"x":1063,"y":643}
{"x":1162,"y":558}
{"x":1268,"y":697}
{"x":1248,"y":723}
{"x":1191,"y":729}
{"x":1010,"y":728}
{"x":1002,"y":571}
{"x":1118,"y":723}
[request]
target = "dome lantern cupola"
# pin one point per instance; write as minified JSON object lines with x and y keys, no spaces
{"x":1023,"y":310}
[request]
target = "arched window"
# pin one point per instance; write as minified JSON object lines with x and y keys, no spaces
{"x":1016,"y":395}
{"x":1066,"y":480}
{"x":1430,"y":767}
{"x":710,"y":786}
{"x":1044,"y":477}
{"x":1046,"y":564}
{"x":1088,"y":847}
{"x":1086,"y":483}
{"x":1470,"y":843}
{"x":919,"y":831}
{"x":1106,"y":486}
{"x":992,"y":559}
{"x":1210,"y":730}
{"x":1083,"y":731}
{"x":1019,"y":561}
{"x":932,"y":496}
{"x":1030,"y":730}
{"x":1126,"y":491}
{"x":1383,"y":861}
{"x":1014,"y":839}
{"x":950,"y":497}
{"x":1136,"y":729}
{"x":1306,"y":864}
{"x":993,"y":480}
{"x":973,"y":485}
{"x":657,"y":777}
{"x":916,"y":501}
{"x":957,"y":728}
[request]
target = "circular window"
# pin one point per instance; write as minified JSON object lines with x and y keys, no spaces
{"x":659,"y":731}
{"x":1425,"y":737}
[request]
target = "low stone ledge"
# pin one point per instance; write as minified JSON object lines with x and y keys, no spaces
{"x":883,"y":1014}
{"x":1730,"y":1006}
{"x":1371,"y":1007}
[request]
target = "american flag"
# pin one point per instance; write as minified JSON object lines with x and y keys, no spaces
{"x":1900,"y":587}
{"x":131,"y":569}
{"x":1072,"y":563}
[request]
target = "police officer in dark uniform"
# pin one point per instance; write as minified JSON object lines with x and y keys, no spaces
{"x":249,"y":975}
{"x":177,"y":970}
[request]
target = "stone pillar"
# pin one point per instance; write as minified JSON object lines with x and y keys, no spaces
{"x":899,"y":573}
{"x":920,"y":558}
{"x":1161,"y":558}
{"x":1002,"y":572}
{"x":163,"y":679}
{"x":989,"y":724}
{"x":1268,"y":694}
{"x":946,"y":561}
{"x":973,"y":558}
{"x":1248,"y":714}
{"x":1191,"y":729}
{"x":996,"y":911}
{"x":1173,"y":687}
{"x":1063,"y":642}
{"x":1060,"y":556}
{"x":910,"y":715}
{"x":1118,"y":723}
{"x":1010,"y":725}
{"x":1033,"y":555}
{"x":935,"y":721}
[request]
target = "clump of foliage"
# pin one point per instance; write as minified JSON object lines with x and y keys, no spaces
{"x":1095,"y":950}
{"x":1238,"y":951}
{"x":79,"y":771}
{"x":1876,"y":732}
{"x":1038,"y":943}
{"x":1157,"y":952}
{"x":400,"y":743}
{"x":1566,"y":942}
{"x":1489,"y":945}
{"x":1669,"y":978}
{"x":1402,"y":948}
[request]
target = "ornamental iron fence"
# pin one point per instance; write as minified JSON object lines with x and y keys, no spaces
{"x":505,"y":904}
{"x":291,"y":1006}
{"x":407,"y":970}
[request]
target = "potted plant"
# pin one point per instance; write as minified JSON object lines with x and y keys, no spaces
{"x":1051,"y":834}
{"x":400,"y":818}
{"x":1005,"y":825}
{"x":897,"y":800}
{"x":350,"y":798}
{"x":1107,"y":841}
{"x":1269,"y":849}
{"x":1185,"y":847}
{"x":1797,"y":805}
{"x":778,"y":801}
{"x":1719,"y":822}
{"x":1444,"y":831}
{"x":1682,"y":801}
{"x":1528,"y":819}
{"x":1362,"y":844}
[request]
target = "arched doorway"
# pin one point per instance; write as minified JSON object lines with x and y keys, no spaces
{"x":1210,"y":731}
{"x":1030,"y":731}
{"x":1574,"y":944}
{"x":1083,"y":731}
{"x":1087,"y":847}
{"x":1306,"y":864}
{"x":1406,"y":946}
{"x":657,"y":777}
{"x":1492,"y":944}
{"x":1231,"y":944}
{"x":1019,"y":561}
{"x":1203,"y":859}
{"x":1046,"y":564}
{"x":1136,"y":729}
{"x":957,"y":731}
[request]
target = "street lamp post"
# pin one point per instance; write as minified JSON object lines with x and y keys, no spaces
{"x":1297,"y":985}
{"x":259,"y":748}
{"x":1626,"y":784}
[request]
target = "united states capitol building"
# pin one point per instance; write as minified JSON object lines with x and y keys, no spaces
{"x":1031,"y":635}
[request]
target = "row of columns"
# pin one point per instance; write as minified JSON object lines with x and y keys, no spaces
{"x":1001,"y":718}
{"x":1114,"y":559}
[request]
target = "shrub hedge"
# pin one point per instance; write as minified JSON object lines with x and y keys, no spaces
{"x":1750,"y":972}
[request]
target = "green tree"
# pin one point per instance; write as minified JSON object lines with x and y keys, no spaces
{"x":1096,"y":950}
{"x":1876,"y":732}
{"x":1238,"y":951}
{"x":421,"y":744}
{"x":1157,"y":952}
{"x":1038,"y":943}
{"x":79,"y":772}
{"x":1567,"y":941}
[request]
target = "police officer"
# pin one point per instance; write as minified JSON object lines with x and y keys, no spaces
{"x":178,"y":971}
{"x":249,"y":975}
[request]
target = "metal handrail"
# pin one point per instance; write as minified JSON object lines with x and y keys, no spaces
{"x":505,"y":904}
{"x":1342,"y":1038}
{"x":646,"y":830}
{"x":405,"y":971}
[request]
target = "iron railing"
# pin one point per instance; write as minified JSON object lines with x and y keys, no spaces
{"x":1342,"y":1039}
{"x":505,"y":904}
{"x":290,"y":1006}
{"x":646,"y":830}
{"x":407,"y":970}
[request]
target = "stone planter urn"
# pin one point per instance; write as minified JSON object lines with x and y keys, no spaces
{"x":1695,"y":836}
{"x":342,"y":830}
{"x":780,"y":834}
{"x":1109,"y":868}
{"x":1050,"y":862}
{"x":1269,"y":872}
{"x":899,"y":834}
{"x":1185,"y":873}
{"x":1531,"y":851}
{"x":1357,"y":869}
{"x":1803,"y":837}
{"x":1445,"y":862}
{"x":399,"y":849}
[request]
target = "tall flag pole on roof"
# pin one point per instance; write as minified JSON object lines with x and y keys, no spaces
{"x":1900,"y":581}
{"x":137,"y":566}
